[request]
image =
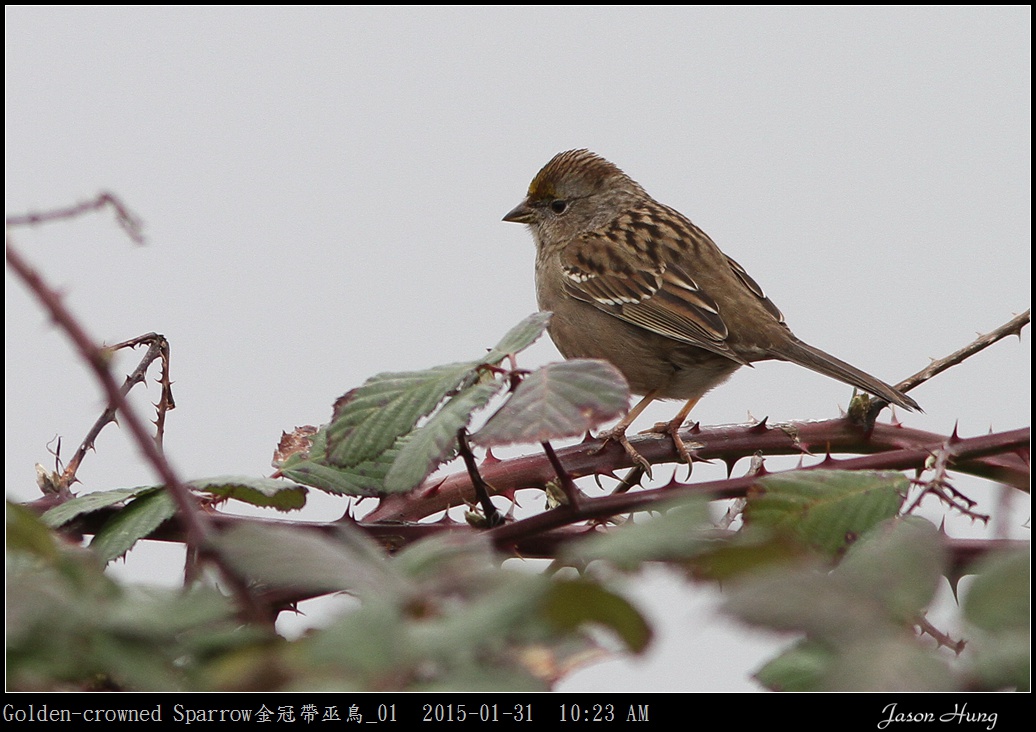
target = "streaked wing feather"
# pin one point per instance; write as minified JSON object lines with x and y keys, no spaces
{"x":755,"y":289}
{"x":613,"y":290}
{"x":644,"y":290}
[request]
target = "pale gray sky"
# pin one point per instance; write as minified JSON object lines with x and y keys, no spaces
{"x":323,"y":189}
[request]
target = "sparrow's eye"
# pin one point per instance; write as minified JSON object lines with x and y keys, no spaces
{"x":559,"y":207}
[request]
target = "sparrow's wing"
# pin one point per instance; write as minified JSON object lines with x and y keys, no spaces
{"x":633,"y":269}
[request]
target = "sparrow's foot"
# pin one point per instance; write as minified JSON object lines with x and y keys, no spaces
{"x":672,"y":428}
{"x":618,"y":434}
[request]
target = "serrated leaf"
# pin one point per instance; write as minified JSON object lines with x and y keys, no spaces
{"x":370,"y":419}
{"x":279,"y":494}
{"x":305,"y":561}
{"x":365,"y":479}
{"x":878,"y":590}
{"x":368,"y":641}
{"x":518,"y":338}
{"x":154,"y":612}
{"x":436,"y":441}
{"x":826,"y":509}
{"x":571,"y":604}
{"x":559,"y":400}
{"x":462,"y":559}
{"x":70,"y":509}
{"x":133,"y":523}
{"x":373,"y":418}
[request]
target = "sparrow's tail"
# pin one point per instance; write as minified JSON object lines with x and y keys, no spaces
{"x":813,"y":358}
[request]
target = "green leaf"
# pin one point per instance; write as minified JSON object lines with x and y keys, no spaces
{"x":150,"y":612}
{"x":880,"y":588}
{"x":752,"y":549}
{"x":133,"y":523}
{"x":998,"y":599}
{"x":518,"y":338}
{"x":369,"y":641}
{"x":374,"y":418}
{"x":449,"y":560}
{"x":27,"y":533}
{"x":997,"y":604}
{"x":482,"y":677}
{"x":70,"y":509}
{"x":279,"y":494}
{"x":503,"y":609}
{"x":900,"y":563}
{"x":889,"y":664}
{"x":826,"y":509}
{"x":1002,"y":660}
{"x":559,"y":400}
{"x":436,"y":441}
{"x":800,"y":668}
{"x":308,"y":562}
{"x":364,"y":479}
{"x":72,"y":627}
{"x":682,"y":530}
{"x":368,"y":420}
{"x":804,"y":598}
{"x":571,"y":604}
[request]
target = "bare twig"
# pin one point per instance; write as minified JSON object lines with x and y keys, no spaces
{"x":940,"y":486}
{"x":943,"y":639}
{"x":160,"y":344}
{"x":129,"y":223}
{"x":568,"y":486}
{"x":158,"y":348}
{"x":195,"y":524}
{"x":1011,"y":327}
{"x":97,"y":358}
{"x":493,"y":516}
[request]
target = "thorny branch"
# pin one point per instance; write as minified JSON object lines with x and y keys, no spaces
{"x":887,"y":447}
{"x":158,"y":347}
{"x":603,"y":507}
{"x":1012,"y":327}
{"x":97,"y":358}
{"x":939,"y":484}
{"x":943,"y":639}
{"x":492,"y":516}
{"x":196,"y":526}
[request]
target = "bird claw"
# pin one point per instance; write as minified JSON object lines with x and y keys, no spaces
{"x":672,"y":429}
{"x":619,"y":436}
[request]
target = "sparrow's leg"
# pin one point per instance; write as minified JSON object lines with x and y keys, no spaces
{"x":618,"y":432}
{"x":672,"y":428}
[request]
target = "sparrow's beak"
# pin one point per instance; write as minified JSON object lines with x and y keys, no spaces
{"x":521,"y":214}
